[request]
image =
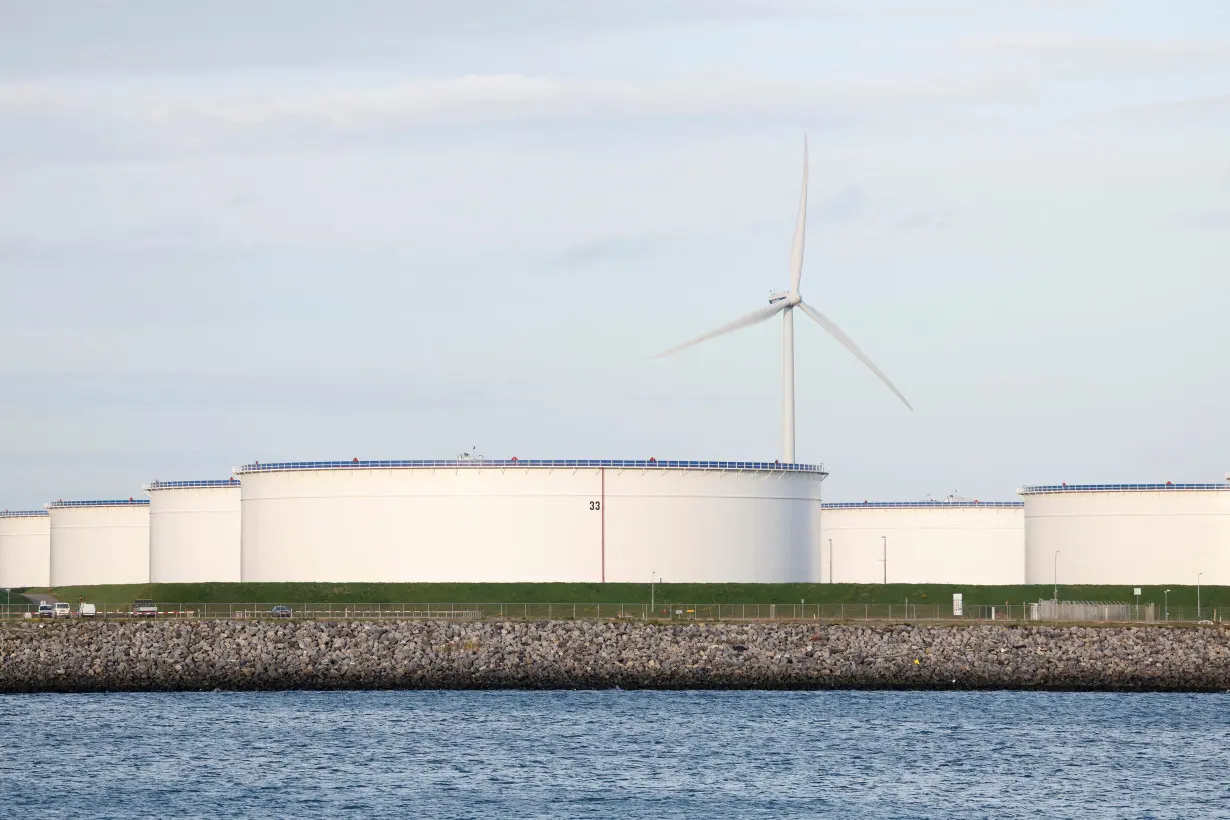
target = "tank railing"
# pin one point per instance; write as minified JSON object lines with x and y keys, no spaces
{"x":511,"y":463}
{"x":1025,"y":612}
{"x":1102,"y":488}
{"x":223,"y":483}
{"x":119,"y":502}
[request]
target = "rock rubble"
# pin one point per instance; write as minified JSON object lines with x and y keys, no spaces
{"x":204,"y":655}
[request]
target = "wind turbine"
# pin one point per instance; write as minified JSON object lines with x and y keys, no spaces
{"x":785,"y":303}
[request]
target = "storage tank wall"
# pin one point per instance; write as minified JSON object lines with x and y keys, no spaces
{"x":520,"y":523}
{"x":941,"y":543}
{"x":25,"y":549}
{"x":100,"y":544}
{"x":712,"y":527}
{"x":194,"y":532}
{"x":1127,"y":537}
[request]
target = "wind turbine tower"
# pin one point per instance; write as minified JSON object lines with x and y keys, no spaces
{"x":785,"y":303}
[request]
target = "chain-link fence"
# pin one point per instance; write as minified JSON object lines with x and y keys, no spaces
{"x":1039,"y":611}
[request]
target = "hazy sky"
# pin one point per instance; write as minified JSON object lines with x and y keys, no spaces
{"x":312,"y":230}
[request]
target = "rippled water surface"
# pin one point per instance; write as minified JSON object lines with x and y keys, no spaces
{"x":615,"y":755}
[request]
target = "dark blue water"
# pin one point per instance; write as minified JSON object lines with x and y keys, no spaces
{"x":615,"y":755}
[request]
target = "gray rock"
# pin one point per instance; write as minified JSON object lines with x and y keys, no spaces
{"x":209,"y":655}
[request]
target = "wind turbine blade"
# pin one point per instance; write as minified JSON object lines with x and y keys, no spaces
{"x":838,"y":334}
{"x":800,"y":228}
{"x":754,"y":318}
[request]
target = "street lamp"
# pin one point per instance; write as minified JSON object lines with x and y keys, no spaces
{"x":1198,"y":574}
{"x":884,"y":559}
{"x":1166,"y":603}
{"x":651,"y":574}
{"x":1056,"y":577}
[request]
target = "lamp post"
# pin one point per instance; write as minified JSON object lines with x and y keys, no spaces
{"x":1055,"y":576}
{"x":830,"y":560}
{"x":1198,"y":574}
{"x":1166,"y":604}
{"x":6,"y":601}
{"x":651,"y":574}
{"x":884,"y":559}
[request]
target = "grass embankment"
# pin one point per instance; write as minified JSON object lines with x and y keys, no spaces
{"x":356,"y":593}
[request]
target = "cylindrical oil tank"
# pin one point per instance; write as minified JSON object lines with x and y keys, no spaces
{"x":923,"y":542}
{"x":530,"y":520}
{"x":194,"y":531}
{"x":99,"y":542}
{"x":25,"y":549}
{"x":1127,"y":534}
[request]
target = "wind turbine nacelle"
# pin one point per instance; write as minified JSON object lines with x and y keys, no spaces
{"x":789,"y":298}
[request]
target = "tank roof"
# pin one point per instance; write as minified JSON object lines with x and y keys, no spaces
{"x":917,"y":505}
{"x":125,"y":502}
{"x":181,"y":485}
{"x":646,"y":464}
{"x":23,"y":513}
{"x":1118,"y":488}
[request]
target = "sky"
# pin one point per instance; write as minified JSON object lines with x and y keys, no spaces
{"x":323,"y":230}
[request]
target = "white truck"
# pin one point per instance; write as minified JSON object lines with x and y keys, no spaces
{"x":63,"y":610}
{"x":46,"y":610}
{"x":86,"y":610}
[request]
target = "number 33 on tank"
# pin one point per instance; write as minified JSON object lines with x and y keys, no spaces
{"x":595,"y":505}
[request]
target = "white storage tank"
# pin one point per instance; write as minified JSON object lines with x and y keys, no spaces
{"x":923,"y":542}
{"x":194,"y":531}
{"x":99,"y":542}
{"x":25,"y":549}
{"x":1127,"y":534}
{"x":530,"y":520}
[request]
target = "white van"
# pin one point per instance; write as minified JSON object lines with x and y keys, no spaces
{"x":63,"y":610}
{"x":86,"y":611}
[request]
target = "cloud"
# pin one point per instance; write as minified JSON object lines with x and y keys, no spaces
{"x":1213,"y":219}
{"x":128,"y":36}
{"x":162,"y":120}
{"x":922,"y":220}
{"x":508,"y":97}
{"x":847,"y":204}
{"x":1105,"y":51}
{"x":1211,"y":110}
{"x":614,"y":249}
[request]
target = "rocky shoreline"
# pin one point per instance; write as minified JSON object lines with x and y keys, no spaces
{"x":316,"y":655}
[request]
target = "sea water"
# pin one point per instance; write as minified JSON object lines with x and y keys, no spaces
{"x":615,"y":754}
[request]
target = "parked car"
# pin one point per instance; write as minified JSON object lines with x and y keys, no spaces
{"x":46,"y":610}
{"x":280,"y":611}
{"x":63,"y":610}
{"x":86,"y":611}
{"x":143,"y":608}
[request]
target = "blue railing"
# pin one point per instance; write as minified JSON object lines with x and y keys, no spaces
{"x":126,"y":502}
{"x":921,"y":505}
{"x":23,"y":513}
{"x":182,"y":485}
{"x":1095,"y":488}
{"x":647,"y":464}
